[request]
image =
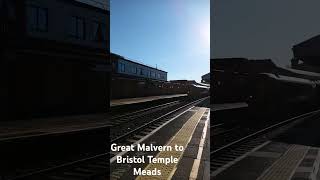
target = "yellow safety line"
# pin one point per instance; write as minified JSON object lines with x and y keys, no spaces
{"x":284,"y":167}
{"x":181,"y":138}
{"x":196,"y":162}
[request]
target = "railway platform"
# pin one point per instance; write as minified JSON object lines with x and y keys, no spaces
{"x":76,"y":147}
{"x":273,"y":160}
{"x":290,"y":152}
{"x":190,"y":130}
{"x":128,"y":101}
{"x":55,"y":125}
{"x":62,"y":124}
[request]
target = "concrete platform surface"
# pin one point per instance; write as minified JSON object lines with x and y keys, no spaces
{"x":127,"y":101}
{"x":193,"y":160}
{"x":190,"y":130}
{"x":60,"y":124}
{"x":38,"y":126}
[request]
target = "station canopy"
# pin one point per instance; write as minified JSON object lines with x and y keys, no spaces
{"x":102,"y":4}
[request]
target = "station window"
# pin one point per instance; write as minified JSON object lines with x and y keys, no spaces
{"x":162,"y":76}
{"x":77,"y":27}
{"x":153,"y":74}
{"x":99,"y":32}
{"x":104,"y":31}
{"x":37,"y":18}
{"x":122,"y":67}
{"x":134,"y":70}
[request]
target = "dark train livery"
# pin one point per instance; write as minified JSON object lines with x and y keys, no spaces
{"x":268,"y":90}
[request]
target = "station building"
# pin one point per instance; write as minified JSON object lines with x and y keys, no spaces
{"x":54,"y":57}
{"x":132,"y":79}
{"x":205,"y":78}
{"x":129,"y":68}
{"x":307,"y":55}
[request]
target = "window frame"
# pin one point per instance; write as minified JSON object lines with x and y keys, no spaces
{"x":103,"y":29}
{"x":77,"y":34}
{"x":122,"y":67}
{"x":37,"y":9}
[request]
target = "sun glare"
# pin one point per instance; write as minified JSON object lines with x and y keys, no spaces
{"x":205,"y":34}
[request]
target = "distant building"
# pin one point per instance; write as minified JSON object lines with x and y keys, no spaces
{"x":307,"y":55}
{"x":125,"y":67}
{"x":205,"y":78}
{"x":54,"y":57}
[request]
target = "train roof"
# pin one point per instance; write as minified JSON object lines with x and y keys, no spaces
{"x":290,"y":79}
{"x":242,"y":65}
{"x":201,"y":86}
{"x":305,"y":74}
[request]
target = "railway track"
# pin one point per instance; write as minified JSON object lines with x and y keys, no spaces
{"x":130,"y":123}
{"x":223,"y":136}
{"x":148,"y":125}
{"x":221,"y":157}
{"x":118,"y":120}
{"x":22,"y":169}
{"x":216,"y":125}
{"x":143,"y":132}
{"x":96,"y":166}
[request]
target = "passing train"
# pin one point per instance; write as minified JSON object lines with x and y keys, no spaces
{"x":270,"y":91}
{"x":281,"y":96}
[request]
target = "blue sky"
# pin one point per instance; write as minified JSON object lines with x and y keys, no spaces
{"x":173,"y":35}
